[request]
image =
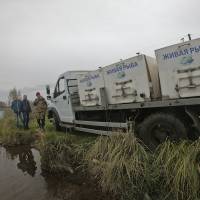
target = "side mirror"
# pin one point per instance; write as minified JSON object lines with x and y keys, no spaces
{"x":48,"y":89}
{"x":54,"y":95}
{"x":48,"y":97}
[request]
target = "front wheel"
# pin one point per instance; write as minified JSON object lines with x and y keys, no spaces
{"x":158,"y":127}
{"x":56,"y":122}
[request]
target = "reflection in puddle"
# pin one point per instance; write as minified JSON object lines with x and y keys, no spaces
{"x":21,"y":178}
{"x":26,"y":160}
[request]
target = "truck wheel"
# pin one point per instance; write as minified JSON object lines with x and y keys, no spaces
{"x":158,"y":127}
{"x":56,"y":122}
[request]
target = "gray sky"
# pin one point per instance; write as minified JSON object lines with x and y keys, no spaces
{"x":39,"y":39}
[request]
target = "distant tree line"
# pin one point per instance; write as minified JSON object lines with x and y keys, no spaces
{"x":13,"y":93}
{"x":3,"y":104}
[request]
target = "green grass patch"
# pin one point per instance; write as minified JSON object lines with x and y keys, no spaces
{"x":57,"y":153}
{"x":10,"y":135}
{"x":63,"y":153}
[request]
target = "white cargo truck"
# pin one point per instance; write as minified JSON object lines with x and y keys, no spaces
{"x":158,"y":99}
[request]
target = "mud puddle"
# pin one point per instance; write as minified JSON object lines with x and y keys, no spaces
{"x":21,"y":178}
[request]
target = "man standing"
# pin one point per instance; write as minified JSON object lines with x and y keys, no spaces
{"x":17,"y":109}
{"x":40,"y":110}
{"x":26,"y":109}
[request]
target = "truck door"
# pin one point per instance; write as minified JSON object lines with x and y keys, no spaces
{"x":72,"y":87}
{"x":61,"y":101}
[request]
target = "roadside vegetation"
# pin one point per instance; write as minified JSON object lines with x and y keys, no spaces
{"x":63,"y":153}
{"x":126,"y":168}
{"x":121,"y":164}
{"x":177,"y":171}
{"x":10,"y":135}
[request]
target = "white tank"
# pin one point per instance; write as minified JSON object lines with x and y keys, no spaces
{"x":179,"y":69}
{"x":89,"y":86}
{"x":132,"y":80}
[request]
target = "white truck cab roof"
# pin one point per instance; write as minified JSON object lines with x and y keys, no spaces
{"x":73,"y":74}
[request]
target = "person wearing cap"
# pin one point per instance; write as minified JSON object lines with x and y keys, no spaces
{"x":40,"y":110}
{"x":26,"y":109}
{"x":17,"y":109}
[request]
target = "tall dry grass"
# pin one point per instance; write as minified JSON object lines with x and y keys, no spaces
{"x":123,"y":166}
{"x":120,"y":163}
{"x":176,"y":170}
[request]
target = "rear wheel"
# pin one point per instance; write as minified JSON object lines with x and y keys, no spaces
{"x":158,"y":127}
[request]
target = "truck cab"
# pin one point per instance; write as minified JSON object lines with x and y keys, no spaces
{"x":64,"y":96}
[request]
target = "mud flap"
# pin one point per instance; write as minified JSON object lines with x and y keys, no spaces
{"x":195,"y":119}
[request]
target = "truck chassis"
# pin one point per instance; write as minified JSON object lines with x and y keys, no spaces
{"x":106,"y":119}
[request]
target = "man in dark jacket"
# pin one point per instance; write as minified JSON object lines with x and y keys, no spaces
{"x":26,"y":109}
{"x":17,"y":109}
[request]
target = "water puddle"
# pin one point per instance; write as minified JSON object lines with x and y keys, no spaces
{"x":21,"y":178}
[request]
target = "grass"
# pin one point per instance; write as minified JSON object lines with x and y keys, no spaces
{"x":63,"y":153}
{"x":177,"y":170}
{"x":124,"y":167}
{"x":120,"y":163}
{"x":10,"y":135}
{"x":60,"y":152}
{"x":56,"y":153}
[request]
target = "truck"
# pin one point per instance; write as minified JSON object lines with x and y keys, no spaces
{"x":157,"y":98}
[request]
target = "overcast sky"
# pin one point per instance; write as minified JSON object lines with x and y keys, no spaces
{"x":39,"y":39}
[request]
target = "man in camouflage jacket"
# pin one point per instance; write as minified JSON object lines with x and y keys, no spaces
{"x":40,"y":110}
